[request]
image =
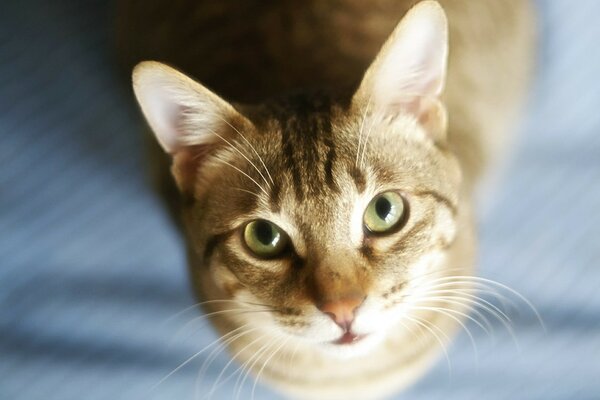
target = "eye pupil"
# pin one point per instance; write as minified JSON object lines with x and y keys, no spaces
{"x":383,"y":207}
{"x":264,"y":232}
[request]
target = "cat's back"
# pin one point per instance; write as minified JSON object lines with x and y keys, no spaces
{"x":249,"y":49}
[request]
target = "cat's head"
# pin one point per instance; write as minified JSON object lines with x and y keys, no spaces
{"x":322,"y":214}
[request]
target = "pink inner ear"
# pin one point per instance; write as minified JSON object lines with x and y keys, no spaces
{"x":412,"y":66}
{"x":409,"y":105}
{"x":164,"y":115}
{"x":173,"y":130}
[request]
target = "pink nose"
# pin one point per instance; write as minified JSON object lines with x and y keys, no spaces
{"x":343,"y":311}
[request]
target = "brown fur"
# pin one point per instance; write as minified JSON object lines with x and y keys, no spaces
{"x":309,"y":142}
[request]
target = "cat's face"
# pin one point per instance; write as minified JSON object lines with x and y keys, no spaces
{"x":321,"y":220}
{"x":340,"y":208}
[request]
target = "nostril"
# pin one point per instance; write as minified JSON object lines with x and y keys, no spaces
{"x":331,"y":315}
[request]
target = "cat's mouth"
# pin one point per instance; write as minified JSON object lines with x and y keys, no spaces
{"x":348,"y":338}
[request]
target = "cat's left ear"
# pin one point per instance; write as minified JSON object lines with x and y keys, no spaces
{"x":409,"y":72}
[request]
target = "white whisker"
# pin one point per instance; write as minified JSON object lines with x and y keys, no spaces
{"x":455,"y":300}
{"x":447,"y":312}
{"x":187,"y":361}
{"x":366,"y":142}
{"x":218,"y":381}
{"x":239,"y":383}
{"x":475,"y":287}
{"x":216,"y":384}
{"x":360,"y":131}
{"x":202,"y":303}
{"x":201,"y":318}
{"x":252,"y":147}
{"x":246,"y":191}
{"x":245,"y":174}
{"x":264,"y":365}
{"x":428,"y":326}
{"x":485,"y":305}
{"x":474,"y":279}
{"x":242,"y":154}
{"x":492,"y":307}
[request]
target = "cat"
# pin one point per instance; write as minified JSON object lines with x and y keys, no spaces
{"x":325,"y":184}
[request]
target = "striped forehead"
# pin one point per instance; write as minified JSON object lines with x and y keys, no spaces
{"x":309,"y":153}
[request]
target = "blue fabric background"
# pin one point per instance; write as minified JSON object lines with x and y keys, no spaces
{"x":91,"y":270}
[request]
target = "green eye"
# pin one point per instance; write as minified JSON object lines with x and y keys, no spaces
{"x":264,"y":238}
{"x":384,"y":212}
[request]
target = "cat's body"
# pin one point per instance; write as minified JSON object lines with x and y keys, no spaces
{"x":318,"y":169}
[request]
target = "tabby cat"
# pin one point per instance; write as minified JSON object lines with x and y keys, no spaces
{"x":325,"y":183}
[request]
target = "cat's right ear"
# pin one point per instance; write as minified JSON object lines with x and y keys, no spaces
{"x":408,"y":74}
{"x":187,"y":119}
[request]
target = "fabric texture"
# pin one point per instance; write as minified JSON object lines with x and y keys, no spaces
{"x":93,"y":276}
